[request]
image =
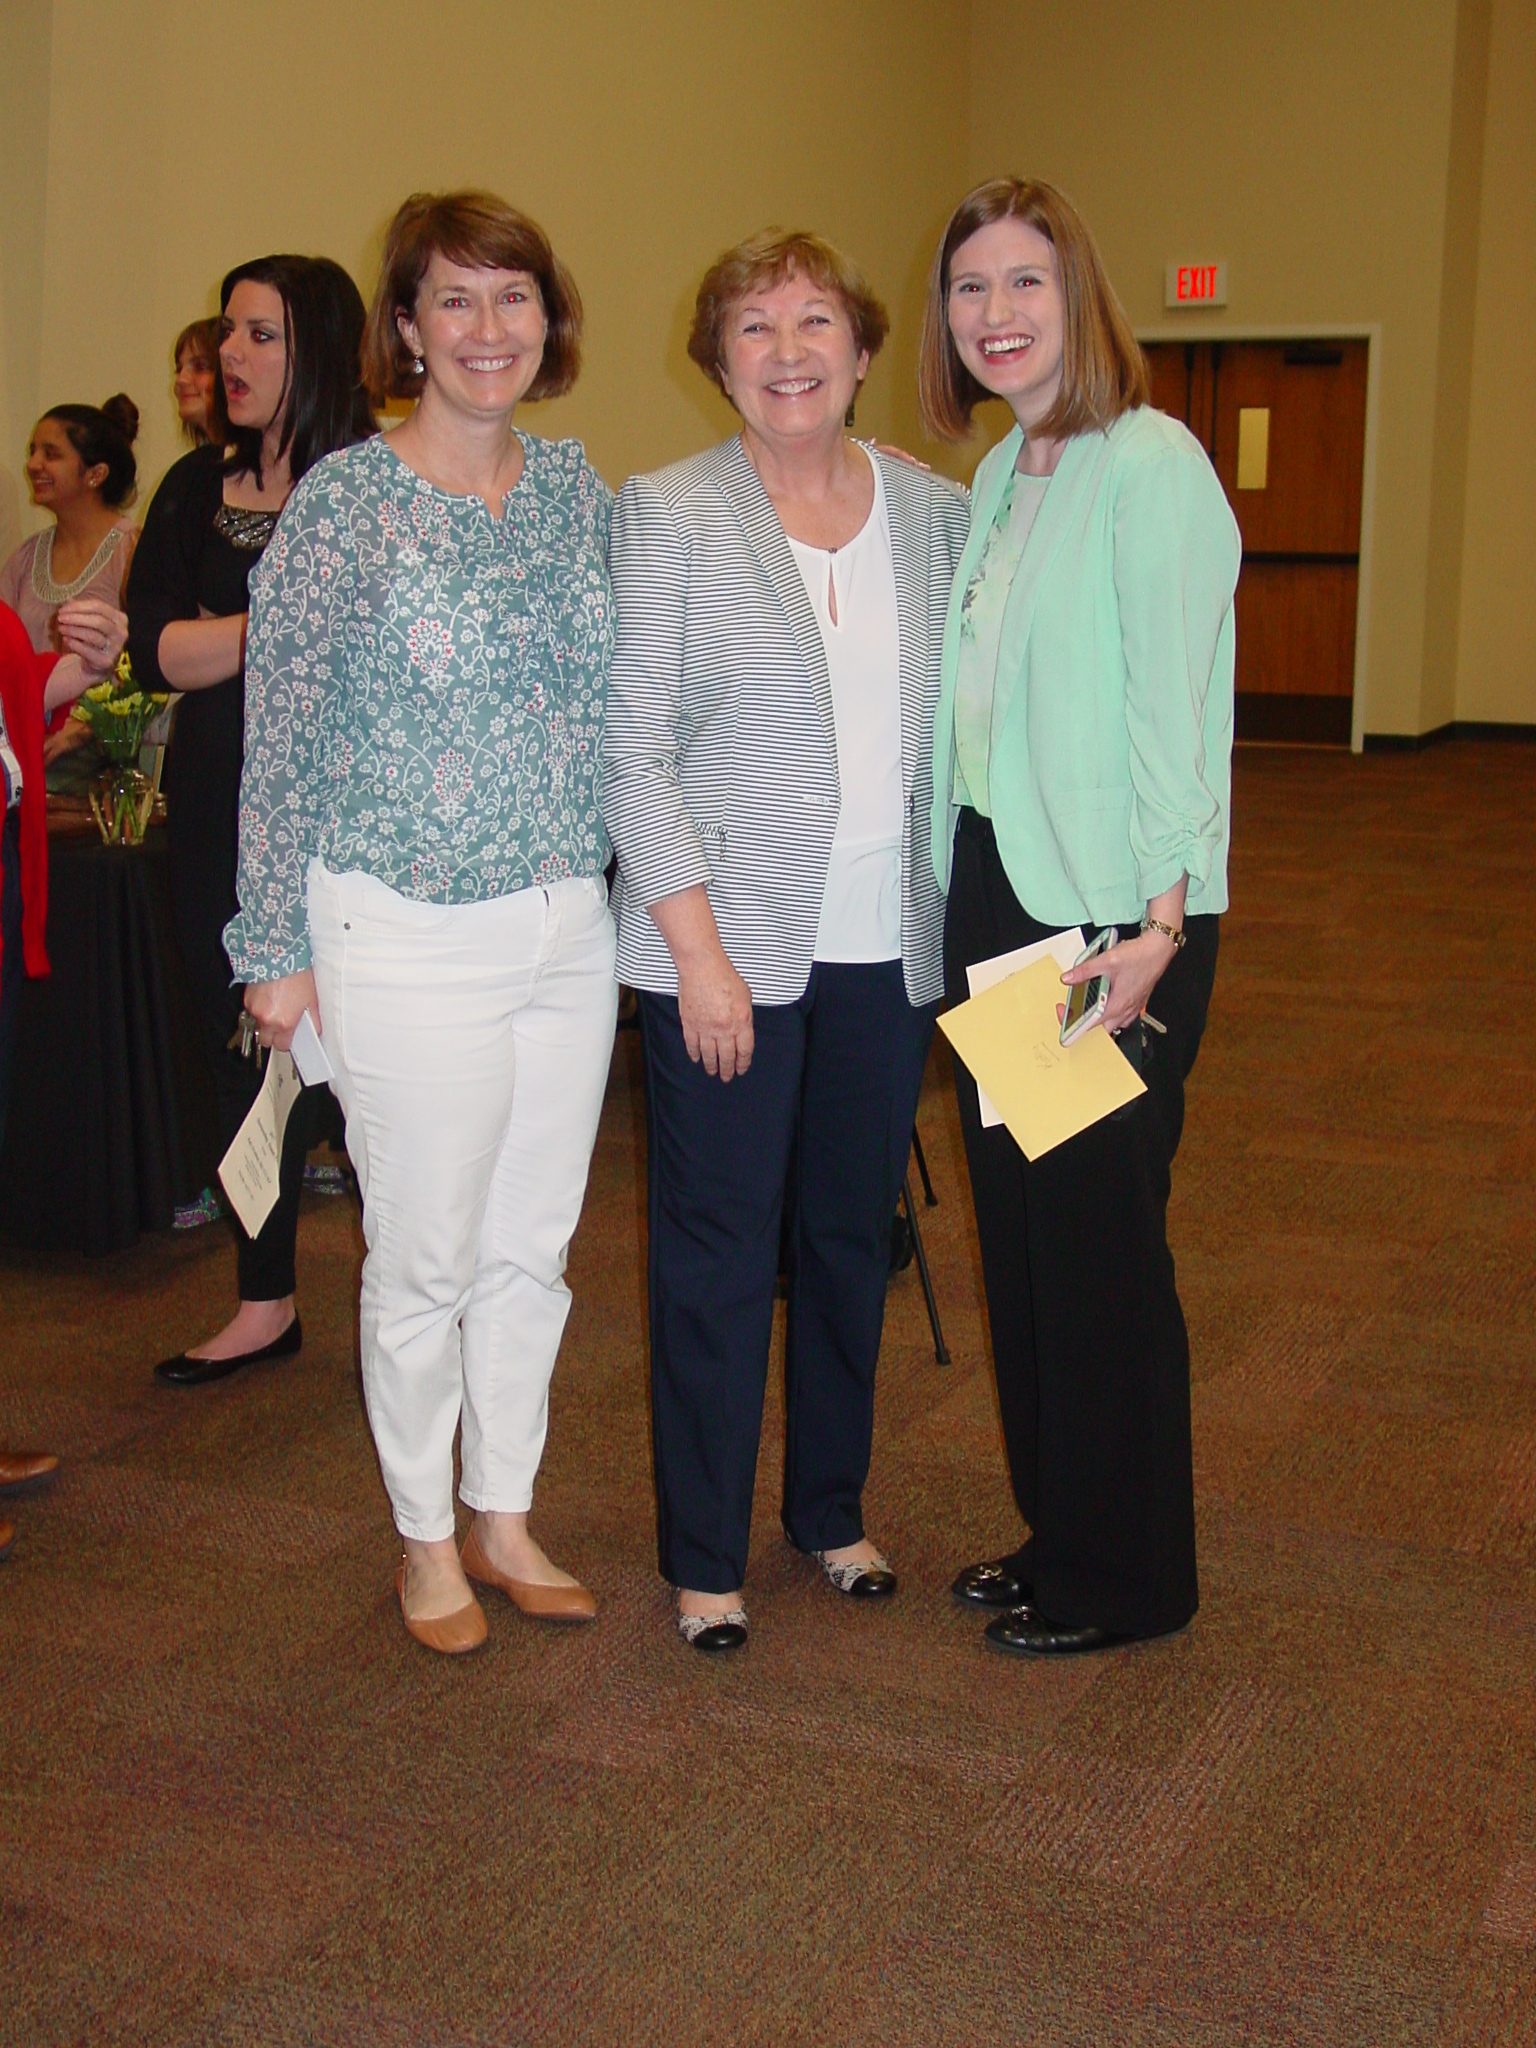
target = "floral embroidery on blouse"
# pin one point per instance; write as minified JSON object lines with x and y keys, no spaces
{"x":991,"y":548}
{"x":424,"y":691}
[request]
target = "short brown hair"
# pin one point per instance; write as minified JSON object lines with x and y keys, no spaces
{"x":201,"y":337}
{"x":767,"y":259}
{"x":482,"y":232}
{"x":1104,"y":372}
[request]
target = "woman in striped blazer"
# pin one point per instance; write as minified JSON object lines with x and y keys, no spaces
{"x":781,"y":605}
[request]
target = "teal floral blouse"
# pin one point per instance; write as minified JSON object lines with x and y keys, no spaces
{"x":424,"y":690}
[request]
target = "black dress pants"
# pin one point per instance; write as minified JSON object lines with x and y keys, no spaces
{"x":203,"y":824}
{"x":1088,"y":1338}
{"x":821,"y":1123}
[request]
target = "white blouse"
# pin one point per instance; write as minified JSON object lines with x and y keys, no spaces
{"x":861,"y":905}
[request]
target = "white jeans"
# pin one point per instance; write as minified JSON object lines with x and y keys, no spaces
{"x":471,"y":1045}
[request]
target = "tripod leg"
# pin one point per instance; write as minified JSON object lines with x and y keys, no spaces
{"x":922,"y":1167}
{"x":940,"y":1348}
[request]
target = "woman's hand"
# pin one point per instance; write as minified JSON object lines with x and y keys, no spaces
{"x":276,"y":1007}
{"x":714,"y":1004}
{"x":903,"y":455}
{"x":74,"y":732}
{"x":95,"y":631}
{"x":1133,"y":969}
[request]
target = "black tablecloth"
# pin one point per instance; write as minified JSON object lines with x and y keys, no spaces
{"x":112,"y":1120}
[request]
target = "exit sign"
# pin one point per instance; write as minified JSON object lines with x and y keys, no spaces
{"x":1195,"y":284}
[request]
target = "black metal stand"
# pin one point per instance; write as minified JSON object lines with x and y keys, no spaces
{"x":940,"y":1348}
{"x":929,"y":1197}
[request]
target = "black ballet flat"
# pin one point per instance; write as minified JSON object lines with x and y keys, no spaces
{"x":999,"y":1582}
{"x":1025,"y":1633}
{"x":182,"y":1371}
{"x":873,"y":1581}
{"x":727,"y":1631}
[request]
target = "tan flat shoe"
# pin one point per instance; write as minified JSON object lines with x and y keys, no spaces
{"x":22,"y":1471}
{"x":451,"y":1635}
{"x":544,"y":1603}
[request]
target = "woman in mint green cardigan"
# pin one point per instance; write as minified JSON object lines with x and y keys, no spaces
{"x":1081,"y":777}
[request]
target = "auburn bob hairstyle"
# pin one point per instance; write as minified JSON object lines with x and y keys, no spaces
{"x":1103,"y":371}
{"x":483,"y":233}
{"x":763,"y":261}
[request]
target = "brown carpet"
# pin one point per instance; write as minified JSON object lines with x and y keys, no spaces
{"x":237,"y":1805}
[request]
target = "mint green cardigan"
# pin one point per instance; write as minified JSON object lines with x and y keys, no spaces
{"x":1111,"y":773}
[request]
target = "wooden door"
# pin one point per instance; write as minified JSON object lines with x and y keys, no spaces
{"x":1284,"y":426}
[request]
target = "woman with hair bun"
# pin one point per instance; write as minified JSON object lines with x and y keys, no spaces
{"x":80,"y":469}
{"x":289,"y":368}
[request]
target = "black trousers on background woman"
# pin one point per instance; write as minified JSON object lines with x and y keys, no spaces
{"x":202,"y":818}
{"x":1088,"y":1338}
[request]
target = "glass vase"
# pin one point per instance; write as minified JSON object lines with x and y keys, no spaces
{"x":121,"y":802}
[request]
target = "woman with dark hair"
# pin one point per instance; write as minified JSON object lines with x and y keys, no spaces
{"x":421,"y":867}
{"x":289,"y":364}
{"x":1081,"y":778}
{"x":81,"y":469}
{"x":199,"y":401}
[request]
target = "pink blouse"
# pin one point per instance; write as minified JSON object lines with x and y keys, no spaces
{"x":27,"y":585}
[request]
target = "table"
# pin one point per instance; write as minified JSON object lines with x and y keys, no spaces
{"x":112,"y":1120}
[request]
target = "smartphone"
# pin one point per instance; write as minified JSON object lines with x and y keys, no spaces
{"x":1088,"y":1000}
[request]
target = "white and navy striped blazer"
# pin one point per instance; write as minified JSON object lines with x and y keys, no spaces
{"x":720,"y":754}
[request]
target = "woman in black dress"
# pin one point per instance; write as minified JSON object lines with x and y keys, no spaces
{"x":292,"y":329}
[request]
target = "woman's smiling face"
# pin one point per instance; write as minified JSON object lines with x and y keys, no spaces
{"x":55,"y":474}
{"x":792,"y":364}
{"x":194,"y":387}
{"x":1006,"y":317}
{"x":479,"y":334}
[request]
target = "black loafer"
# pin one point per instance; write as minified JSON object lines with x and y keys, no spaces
{"x":1024,"y":1633}
{"x":182,"y":1371}
{"x":1000,"y":1582}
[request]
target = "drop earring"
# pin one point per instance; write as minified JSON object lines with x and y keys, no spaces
{"x":418,"y":367}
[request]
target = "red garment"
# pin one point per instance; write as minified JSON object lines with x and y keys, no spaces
{"x":23,"y":677}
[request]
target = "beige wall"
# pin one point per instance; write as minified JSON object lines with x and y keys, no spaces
{"x":645,"y":137}
{"x":1496,"y":674}
{"x":1306,"y":142}
{"x":1341,"y":155}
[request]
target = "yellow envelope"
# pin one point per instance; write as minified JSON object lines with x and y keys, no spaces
{"x":1010,"y":1039}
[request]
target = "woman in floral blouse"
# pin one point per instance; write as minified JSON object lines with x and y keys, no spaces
{"x":421,"y":866}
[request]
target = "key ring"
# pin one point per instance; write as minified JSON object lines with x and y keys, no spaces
{"x":245,"y":1036}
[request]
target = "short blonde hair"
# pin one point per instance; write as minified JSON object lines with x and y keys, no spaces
{"x":1103,"y":371}
{"x":767,"y":259}
{"x":482,"y":232}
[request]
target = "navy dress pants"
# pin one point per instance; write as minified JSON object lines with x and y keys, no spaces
{"x":1088,"y":1337}
{"x":817,"y":1130}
